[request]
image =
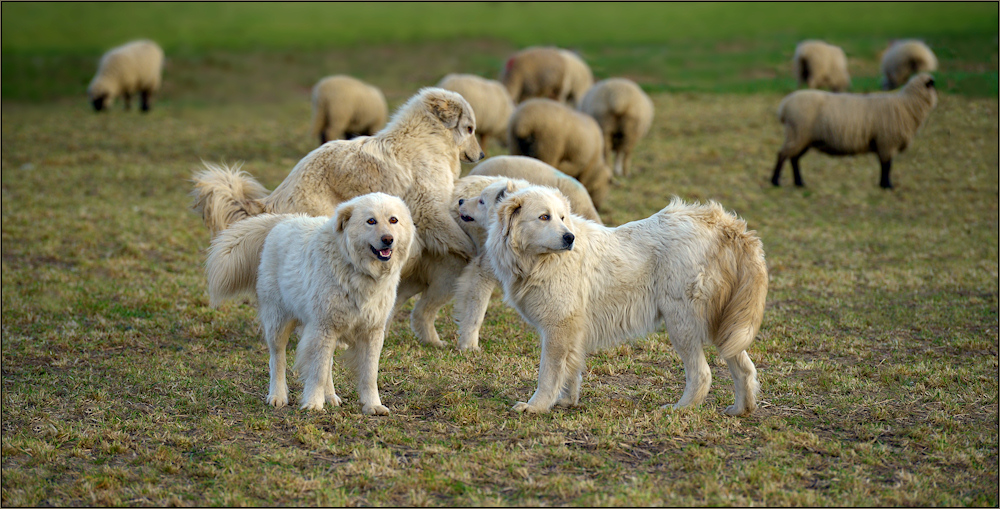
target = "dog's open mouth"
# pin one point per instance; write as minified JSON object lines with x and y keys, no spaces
{"x":467,"y":219}
{"x":382,"y":254}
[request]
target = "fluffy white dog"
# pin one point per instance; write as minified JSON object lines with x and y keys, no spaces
{"x":586,"y":287}
{"x":335,"y":277}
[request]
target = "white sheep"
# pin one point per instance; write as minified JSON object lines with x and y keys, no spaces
{"x":548,"y":72}
{"x":135,"y":67}
{"x":345,"y":107}
{"x":849,"y":124}
{"x":624,"y":112}
{"x":564,"y":138}
{"x":490,"y":102}
{"x":904,"y":59}
{"x":821,"y":65}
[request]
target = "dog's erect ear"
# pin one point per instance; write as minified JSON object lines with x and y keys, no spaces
{"x":343,"y":216}
{"x":446,"y":110}
{"x":507,"y":213}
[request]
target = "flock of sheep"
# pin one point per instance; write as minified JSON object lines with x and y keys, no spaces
{"x":547,"y":106}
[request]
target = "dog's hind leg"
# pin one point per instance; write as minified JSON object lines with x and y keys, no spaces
{"x":276,"y":332}
{"x":687,"y":341}
{"x":328,"y":390}
{"x":362,"y":358}
{"x":440,"y":290}
{"x":746,"y":385}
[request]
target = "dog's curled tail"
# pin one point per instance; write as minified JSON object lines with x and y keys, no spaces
{"x":223,"y":195}
{"x":742,"y":313}
{"x":234,"y":258}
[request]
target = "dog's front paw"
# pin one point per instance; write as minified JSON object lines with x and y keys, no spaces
{"x":468,"y":347}
{"x":277,"y":401}
{"x":523,"y":407}
{"x":333,"y":399}
{"x":375,"y":410}
{"x":314,"y":404}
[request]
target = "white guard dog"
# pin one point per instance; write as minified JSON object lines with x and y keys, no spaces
{"x":586,"y":287}
{"x":336,"y":277}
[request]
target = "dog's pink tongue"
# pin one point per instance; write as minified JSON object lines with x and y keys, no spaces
{"x":385,"y":253}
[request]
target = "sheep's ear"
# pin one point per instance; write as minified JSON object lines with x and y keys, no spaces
{"x":507,"y":213}
{"x":344,"y":214}
{"x":446,"y":110}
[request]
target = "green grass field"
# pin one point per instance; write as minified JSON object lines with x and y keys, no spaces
{"x":878,"y":354}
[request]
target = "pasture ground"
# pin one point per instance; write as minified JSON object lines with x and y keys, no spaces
{"x":120,"y":386}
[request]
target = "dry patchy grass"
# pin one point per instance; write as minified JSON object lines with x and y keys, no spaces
{"x":877,"y":356}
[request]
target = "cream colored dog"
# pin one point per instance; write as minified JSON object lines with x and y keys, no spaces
{"x":586,"y":287}
{"x":335,"y":277}
{"x":416,"y":157}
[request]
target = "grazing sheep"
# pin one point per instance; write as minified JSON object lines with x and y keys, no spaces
{"x":848,"y":124}
{"x":547,"y":72}
{"x":345,"y":107}
{"x":489,"y":100}
{"x":135,"y":67}
{"x":821,"y":65}
{"x":577,"y":80}
{"x":624,"y":112}
{"x":562,"y":137}
{"x":538,"y":173}
{"x":904,"y":59}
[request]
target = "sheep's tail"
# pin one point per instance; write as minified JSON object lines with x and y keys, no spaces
{"x":223,"y":195}
{"x":234,"y":258}
{"x":743,"y":311}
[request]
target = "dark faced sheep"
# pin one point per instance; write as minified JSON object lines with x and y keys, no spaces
{"x":624,"y":113}
{"x":848,"y":124}
{"x":135,"y":67}
{"x":562,"y":137}
{"x":821,"y":65}
{"x":345,"y":107}
{"x":904,"y":59}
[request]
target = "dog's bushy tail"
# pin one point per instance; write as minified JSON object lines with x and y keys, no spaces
{"x":223,"y":195}
{"x":738,"y":317}
{"x":234,"y":258}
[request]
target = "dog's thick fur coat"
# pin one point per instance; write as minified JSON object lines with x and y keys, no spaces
{"x":586,"y":287}
{"x":336,"y":277}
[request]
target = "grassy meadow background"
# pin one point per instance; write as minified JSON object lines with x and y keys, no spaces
{"x":877,"y":355}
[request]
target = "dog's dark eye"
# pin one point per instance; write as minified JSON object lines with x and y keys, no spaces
{"x":371,"y":220}
{"x":461,"y":201}
{"x":544,"y":217}
{"x":481,"y":202}
{"x":470,"y":129}
{"x":562,"y":218}
{"x":393,"y":220}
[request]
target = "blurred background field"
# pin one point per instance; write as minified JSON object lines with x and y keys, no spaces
{"x":877,"y":355}
{"x":50,"y":50}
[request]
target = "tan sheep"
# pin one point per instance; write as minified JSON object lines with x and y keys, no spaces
{"x":135,"y":67}
{"x":904,"y":59}
{"x":848,"y":124}
{"x":821,"y":65}
{"x":564,"y":138}
{"x":548,"y":72}
{"x":345,"y":107}
{"x":578,"y":78}
{"x":624,"y":112}
{"x":538,"y":173}
{"x":489,"y":100}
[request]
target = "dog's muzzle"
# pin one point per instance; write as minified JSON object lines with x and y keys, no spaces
{"x":568,"y":239}
{"x":385,"y":253}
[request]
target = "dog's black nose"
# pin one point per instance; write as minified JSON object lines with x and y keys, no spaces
{"x":387,"y":240}
{"x":568,"y":239}
{"x":482,"y":154}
